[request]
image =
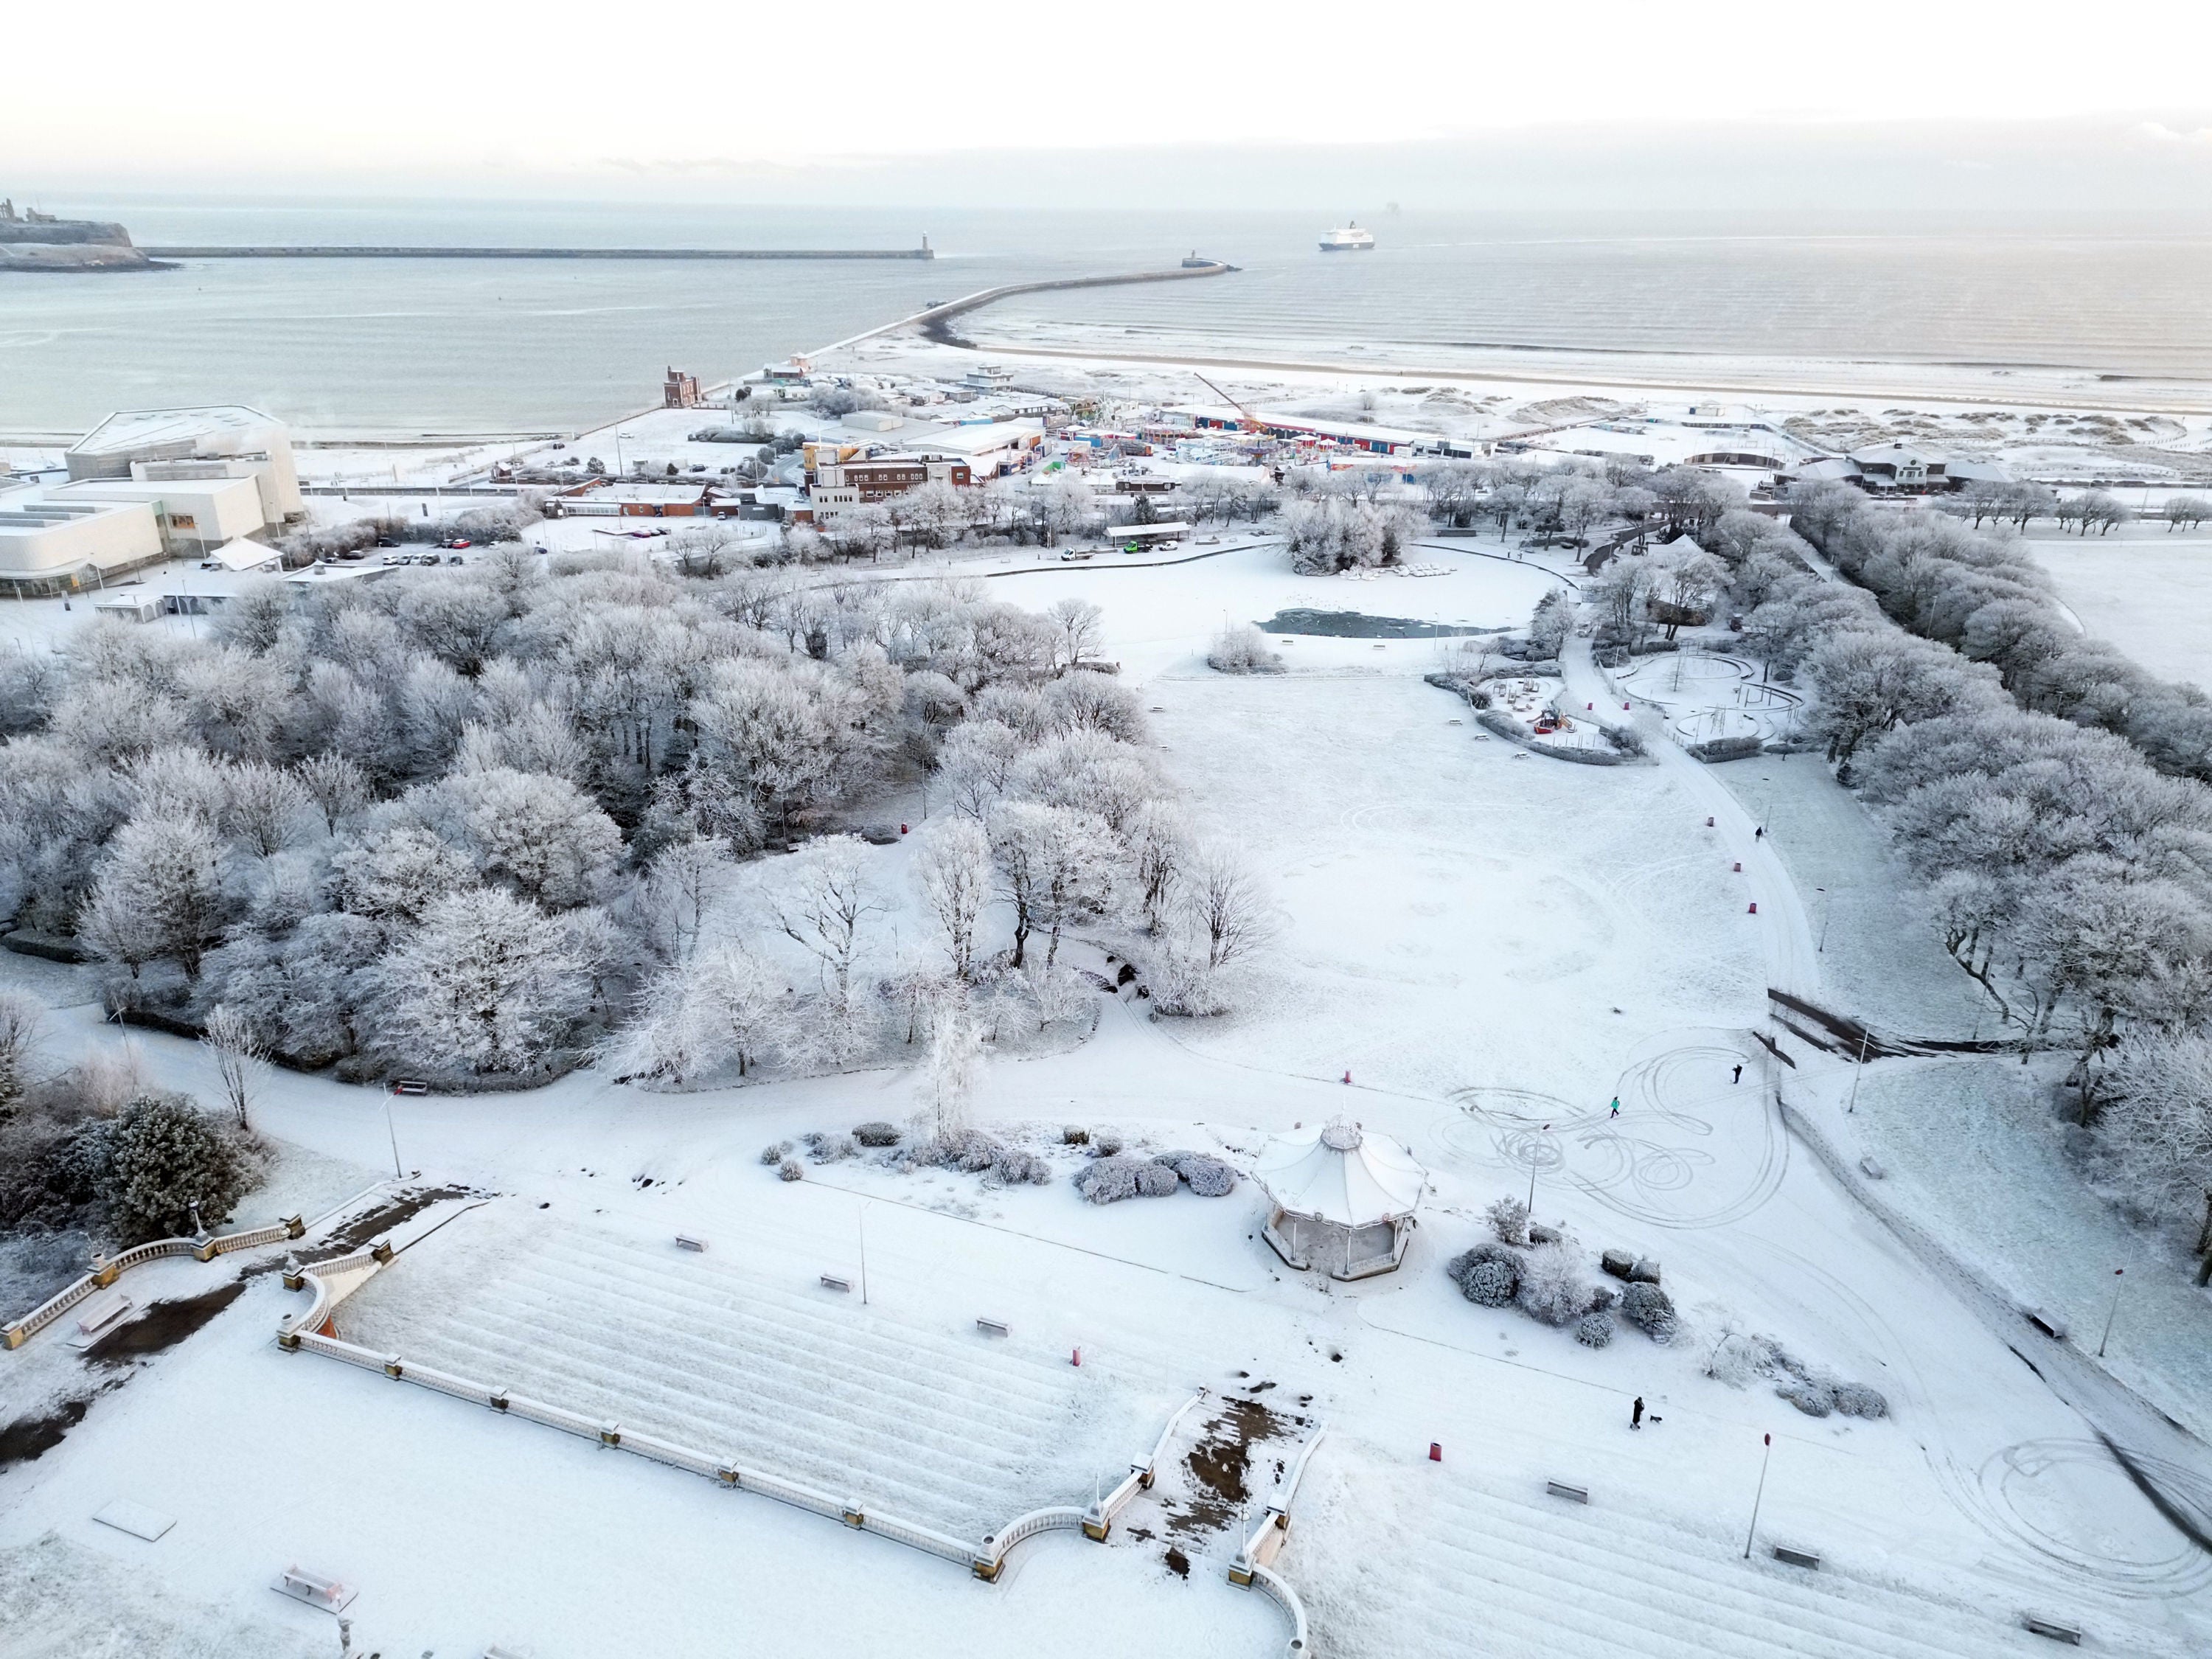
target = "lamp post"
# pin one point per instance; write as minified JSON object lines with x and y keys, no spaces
{"x":1535,"y":1158}
{"x":1864,"y":1035}
{"x":397,"y":1173}
{"x":1758,"y":1497}
{"x":2112,"y":1312}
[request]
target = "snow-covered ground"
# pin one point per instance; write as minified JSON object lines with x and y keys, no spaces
{"x":1492,"y":946}
{"x":2144,"y":588}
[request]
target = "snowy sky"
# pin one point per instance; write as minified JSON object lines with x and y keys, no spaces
{"x":734,"y":101}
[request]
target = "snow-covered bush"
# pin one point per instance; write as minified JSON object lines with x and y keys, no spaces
{"x":1075,"y":1134}
{"x":1488,"y":1275}
{"x":1651,"y":1310}
{"x":1555,"y":1290}
{"x":1111,"y":1179}
{"x":1509,"y":1220}
{"x":774,"y":1152}
{"x":1105,"y":1144}
{"x":831,"y":1149}
{"x":1243,"y":649}
{"x":1736,"y":1359}
{"x":1812,"y":1398}
{"x":1593,"y":1330}
{"x":974,"y":1153}
{"x":1209,"y":1177}
{"x":1856,"y":1400}
{"x":1108,"y":1180}
{"x":877,"y":1134}
{"x":789,"y":1170}
{"x":1016,"y":1168}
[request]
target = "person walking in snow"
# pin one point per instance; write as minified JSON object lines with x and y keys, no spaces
{"x":1616,"y":1107}
{"x":1738,"y":1078}
{"x":1760,"y":834}
{"x":1636,"y":1413}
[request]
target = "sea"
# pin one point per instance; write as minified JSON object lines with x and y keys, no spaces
{"x":383,"y":346}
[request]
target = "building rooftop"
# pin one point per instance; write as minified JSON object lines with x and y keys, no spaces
{"x":233,"y":426}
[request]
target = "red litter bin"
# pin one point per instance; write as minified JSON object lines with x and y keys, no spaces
{"x":1436,"y":1451}
{"x":1754,"y":907}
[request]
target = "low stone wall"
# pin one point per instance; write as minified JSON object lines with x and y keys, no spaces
{"x":106,"y":1272}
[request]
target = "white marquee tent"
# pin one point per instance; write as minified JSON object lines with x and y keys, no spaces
{"x":1340,"y":1199}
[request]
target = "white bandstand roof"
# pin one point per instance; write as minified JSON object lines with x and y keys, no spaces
{"x":1341,"y":1174}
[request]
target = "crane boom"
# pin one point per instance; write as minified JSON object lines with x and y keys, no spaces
{"x":1247,"y":421}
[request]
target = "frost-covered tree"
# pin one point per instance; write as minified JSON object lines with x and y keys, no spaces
{"x":832,"y":898}
{"x":1056,"y":865}
{"x":23,"y":1029}
{"x":241,"y":1058}
{"x":1220,"y":917}
{"x":489,"y":983}
{"x":2156,"y":1126}
{"x":1058,"y":992}
{"x":160,"y":894}
{"x":1158,"y":838}
{"x":1226,"y":904}
{"x":1078,"y":631}
{"x":713,"y":1010}
{"x":683,"y":883}
{"x":268,"y":808}
{"x":952,"y":867}
{"x":1554,"y":621}
{"x":542,"y":833}
{"x":1685,"y":578}
{"x":163,"y":1157}
{"x":949,"y":1079}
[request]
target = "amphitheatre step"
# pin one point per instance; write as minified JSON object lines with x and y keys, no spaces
{"x":919,"y":1420}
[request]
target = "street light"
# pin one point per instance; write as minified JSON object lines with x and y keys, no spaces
{"x":1828,"y":909}
{"x":1535,"y":1157}
{"x":1760,"y":1495}
{"x":397,"y":1174}
{"x":1864,"y":1034}
{"x":2112,"y":1312}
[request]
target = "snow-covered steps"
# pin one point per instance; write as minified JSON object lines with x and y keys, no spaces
{"x":1462,"y":1570}
{"x":929,"y":1420}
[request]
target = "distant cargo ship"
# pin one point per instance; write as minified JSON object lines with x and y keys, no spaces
{"x":1349,"y":239}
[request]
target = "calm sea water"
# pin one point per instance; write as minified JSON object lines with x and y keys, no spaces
{"x":459,"y":346}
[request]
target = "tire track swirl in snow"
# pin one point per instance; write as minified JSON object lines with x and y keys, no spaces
{"x":2018,"y":1504}
{"x":1657,"y":1171}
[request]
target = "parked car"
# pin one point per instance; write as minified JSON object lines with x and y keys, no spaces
{"x":210,"y":564}
{"x":455,"y":558}
{"x":386,"y":541}
{"x":396,"y":558}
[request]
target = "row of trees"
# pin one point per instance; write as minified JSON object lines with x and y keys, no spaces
{"x":1986,"y":596}
{"x":2070,"y":878}
{"x":2019,"y":504}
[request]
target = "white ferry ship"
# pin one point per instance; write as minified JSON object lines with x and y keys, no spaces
{"x":1349,"y":239}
